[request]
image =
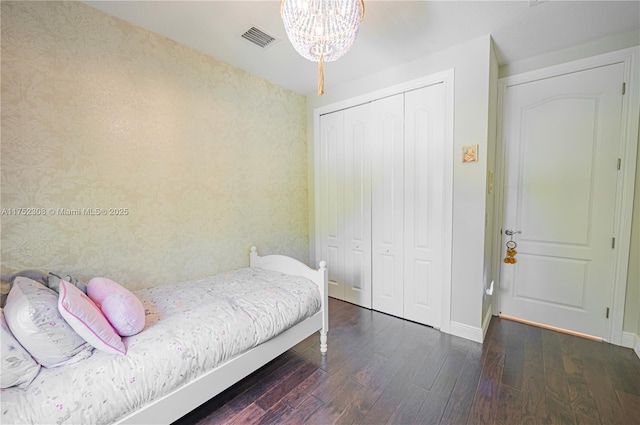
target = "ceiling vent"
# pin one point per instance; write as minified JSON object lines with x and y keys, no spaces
{"x":259,"y":37}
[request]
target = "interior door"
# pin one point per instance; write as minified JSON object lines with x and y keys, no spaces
{"x":332,"y":199}
{"x":387,"y":192}
{"x":424,"y":204}
{"x":561,"y":145}
{"x":357,"y":206}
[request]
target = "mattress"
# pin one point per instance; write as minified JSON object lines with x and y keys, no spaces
{"x":191,"y":327}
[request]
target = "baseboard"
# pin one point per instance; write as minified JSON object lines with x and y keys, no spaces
{"x":631,"y":340}
{"x":628,"y":339}
{"x":486,"y":321}
{"x":467,"y":332}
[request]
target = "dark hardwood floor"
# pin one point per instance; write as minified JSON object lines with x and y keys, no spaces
{"x":384,"y":370}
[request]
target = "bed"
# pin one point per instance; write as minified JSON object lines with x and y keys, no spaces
{"x":196,"y":343}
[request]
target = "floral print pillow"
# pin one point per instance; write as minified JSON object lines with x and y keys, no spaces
{"x":18,"y":367}
{"x":33,"y":318}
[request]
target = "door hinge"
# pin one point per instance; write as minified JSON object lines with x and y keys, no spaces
{"x":624,"y":88}
{"x":607,"y":314}
{"x":619,"y":163}
{"x":613,"y":243}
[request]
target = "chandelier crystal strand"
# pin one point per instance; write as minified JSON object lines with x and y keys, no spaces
{"x":322,"y":30}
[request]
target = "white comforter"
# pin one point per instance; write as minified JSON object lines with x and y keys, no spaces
{"x":190,"y":328}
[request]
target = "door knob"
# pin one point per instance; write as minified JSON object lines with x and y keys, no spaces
{"x":510,"y":232}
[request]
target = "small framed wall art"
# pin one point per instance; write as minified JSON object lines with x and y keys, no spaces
{"x":469,"y":153}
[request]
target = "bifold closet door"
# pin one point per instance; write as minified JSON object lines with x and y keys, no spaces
{"x":381,"y":203}
{"x":357,"y":206}
{"x":424,"y":196}
{"x":331,"y":199}
{"x":387,"y":192}
{"x":345,"y":203}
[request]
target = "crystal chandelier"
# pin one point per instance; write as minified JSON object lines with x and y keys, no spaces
{"x":322,"y":30}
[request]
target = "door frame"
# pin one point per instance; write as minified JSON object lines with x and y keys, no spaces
{"x":446,"y":77}
{"x":626,"y":177}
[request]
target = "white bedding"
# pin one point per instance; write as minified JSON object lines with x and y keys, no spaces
{"x":191,"y":327}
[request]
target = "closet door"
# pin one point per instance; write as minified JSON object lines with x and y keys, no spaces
{"x":357,"y":206}
{"x":424,"y":203}
{"x":387,"y":191}
{"x":331,"y":199}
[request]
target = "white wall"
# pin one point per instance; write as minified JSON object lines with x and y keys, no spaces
{"x":471,"y":64}
{"x":596,"y":47}
{"x":476,"y":72}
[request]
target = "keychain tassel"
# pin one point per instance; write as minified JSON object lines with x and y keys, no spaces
{"x":511,"y":252}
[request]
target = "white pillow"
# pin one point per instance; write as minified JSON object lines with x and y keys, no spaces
{"x":32,"y":315}
{"x":18,"y":367}
{"x":87,"y":320}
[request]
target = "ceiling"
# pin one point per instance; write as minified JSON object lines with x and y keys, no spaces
{"x":392,"y":32}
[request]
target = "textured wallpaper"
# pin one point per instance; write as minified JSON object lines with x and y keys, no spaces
{"x":129,"y":156}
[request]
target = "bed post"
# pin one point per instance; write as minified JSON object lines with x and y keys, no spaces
{"x":325,"y":308}
{"x":253,"y":255}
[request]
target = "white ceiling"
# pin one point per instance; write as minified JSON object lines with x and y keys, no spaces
{"x":392,"y":32}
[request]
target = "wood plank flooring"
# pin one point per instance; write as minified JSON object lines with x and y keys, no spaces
{"x":383,"y":370}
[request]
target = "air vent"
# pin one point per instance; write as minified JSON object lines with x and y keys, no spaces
{"x":259,"y":37}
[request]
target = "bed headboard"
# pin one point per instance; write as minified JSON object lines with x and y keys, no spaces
{"x":289,"y":265}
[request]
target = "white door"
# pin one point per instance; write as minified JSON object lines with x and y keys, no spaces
{"x":562,"y":137}
{"x":331,"y":198}
{"x":357,"y":206}
{"x":424,"y":203}
{"x":387,"y":193}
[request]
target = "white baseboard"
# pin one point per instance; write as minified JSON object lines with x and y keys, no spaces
{"x":467,"y":332}
{"x":631,"y":340}
{"x":628,"y":339}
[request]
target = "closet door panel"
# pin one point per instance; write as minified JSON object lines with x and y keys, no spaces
{"x":387,"y":183}
{"x":357,"y":206}
{"x":331,"y":208}
{"x":424,"y":203}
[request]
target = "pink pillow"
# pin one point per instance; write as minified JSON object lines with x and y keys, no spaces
{"x":87,"y":320}
{"x":122,"y":308}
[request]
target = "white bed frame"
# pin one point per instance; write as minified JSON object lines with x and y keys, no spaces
{"x":181,"y":401}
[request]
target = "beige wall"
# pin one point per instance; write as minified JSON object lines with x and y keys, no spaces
{"x":491,"y":233}
{"x":96,"y":113}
